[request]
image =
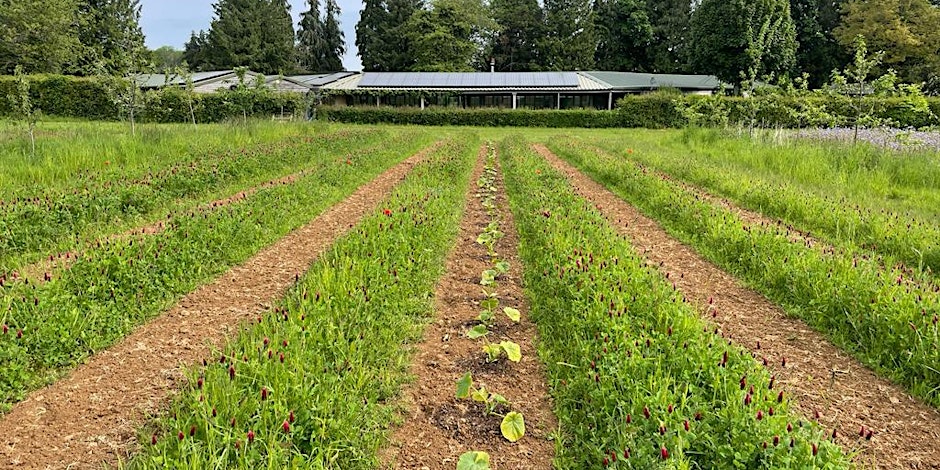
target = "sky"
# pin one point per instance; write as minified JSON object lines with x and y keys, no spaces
{"x":170,"y":22}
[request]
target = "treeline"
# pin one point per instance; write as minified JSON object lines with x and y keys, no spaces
{"x":736,"y":40}
{"x":732,"y":39}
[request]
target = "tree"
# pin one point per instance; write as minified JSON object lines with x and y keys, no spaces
{"x":195,"y":52}
{"x":257,"y":34}
{"x":23,"y":109}
{"x":448,"y":36}
{"x":520,"y":28}
{"x":335,"y":38}
{"x":669,"y":45}
{"x":166,"y":59}
{"x":819,"y":52}
{"x":382,"y":35}
{"x":38,"y":35}
{"x":624,"y":35}
{"x":108,"y":30}
{"x":907,"y":31}
{"x":311,"y":40}
{"x":571,"y":41}
{"x":737,"y":40}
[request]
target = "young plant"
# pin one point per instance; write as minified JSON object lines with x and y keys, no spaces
{"x":23,"y":107}
{"x":474,"y":460}
{"x":513,"y":424}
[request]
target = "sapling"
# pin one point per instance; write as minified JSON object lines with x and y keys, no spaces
{"x":513,"y":424}
{"x":23,"y":106}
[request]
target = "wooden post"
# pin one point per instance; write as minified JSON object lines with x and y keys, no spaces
{"x":610,"y":101}
{"x":558,"y":102}
{"x":514,"y":100}
{"x":422,"y":102}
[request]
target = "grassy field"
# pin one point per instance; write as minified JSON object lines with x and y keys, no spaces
{"x":637,"y":377}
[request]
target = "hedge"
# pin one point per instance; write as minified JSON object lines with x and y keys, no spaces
{"x":470,"y":117}
{"x":86,"y":98}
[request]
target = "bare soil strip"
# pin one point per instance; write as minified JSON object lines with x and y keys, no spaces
{"x":817,"y":375}
{"x":439,"y":428}
{"x":91,"y":417}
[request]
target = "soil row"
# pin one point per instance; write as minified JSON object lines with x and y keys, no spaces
{"x":438,"y":428}
{"x":826,"y":384}
{"x":90,"y":417}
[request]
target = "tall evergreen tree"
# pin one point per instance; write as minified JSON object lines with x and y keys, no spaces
{"x":669,"y":45}
{"x":624,"y":33}
{"x":741,"y":39}
{"x":819,"y":52}
{"x":335,"y":39}
{"x":382,"y":35}
{"x":38,"y":35}
{"x":311,"y":41}
{"x":195,"y":51}
{"x":520,"y":28}
{"x":320,"y":44}
{"x":108,"y":31}
{"x":447,"y":37}
{"x":257,"y":34}
{"x":571,"y":39}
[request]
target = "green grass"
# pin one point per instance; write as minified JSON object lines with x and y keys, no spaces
{"x":342,"y":331}
{"x":882,"y":316}
{"x":856,"y":197}
{"x":34,"y":225}
{"x":618,"y":342}
{"x":117,"y":286}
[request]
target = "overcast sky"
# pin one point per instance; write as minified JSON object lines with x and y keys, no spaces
{"x":169,"y":22}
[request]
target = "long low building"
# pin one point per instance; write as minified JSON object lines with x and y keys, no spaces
{"x":539,"y":90}
{"x":535,"y":90}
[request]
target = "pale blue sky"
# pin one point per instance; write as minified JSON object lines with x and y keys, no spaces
{"x":169,"y":22}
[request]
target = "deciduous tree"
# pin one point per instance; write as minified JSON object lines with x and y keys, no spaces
{"x":520,"y":27}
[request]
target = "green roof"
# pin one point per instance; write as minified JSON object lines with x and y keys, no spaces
{"x":647,"y":81}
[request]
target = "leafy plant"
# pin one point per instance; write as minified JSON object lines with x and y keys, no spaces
{"x":23,"y":108}
{"x":513,"y":424}
{"x":474,"y":460}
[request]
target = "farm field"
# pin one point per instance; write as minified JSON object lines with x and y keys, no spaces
{"x":323,"y":296}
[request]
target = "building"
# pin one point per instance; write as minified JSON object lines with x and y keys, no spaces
{"x":510,"y":90}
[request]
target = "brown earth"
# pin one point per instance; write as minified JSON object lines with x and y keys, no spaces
{"x":819,"y":376}
{"x":439,"y":428}
{"x":90,"y":418}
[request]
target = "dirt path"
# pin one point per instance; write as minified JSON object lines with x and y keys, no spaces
{"x":439,"y":428}
{"x":819,"y":376}
{"x":91,"y":417}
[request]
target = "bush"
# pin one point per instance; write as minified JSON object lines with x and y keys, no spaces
{"x":87,"y":98}
{"x":490,"y":117}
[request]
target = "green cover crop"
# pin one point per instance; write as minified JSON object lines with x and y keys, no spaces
{"x":312,"y":383}
{"x":639,"y":380}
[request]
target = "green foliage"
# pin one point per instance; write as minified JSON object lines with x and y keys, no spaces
{"x":670,"y":42}
{"x":320,"y":44}
{"x":819,"y":52}
{"x":905,"y":30}
{"x":632,"y":367}
{"x":22,"y":106}
{"x":110,"y":34}
{"x":520,"y":27}
{"x":624,"y":35}
{"x":739,"y":40}
{"x":470,"y":117}
{"x":343,"y":355}
{"x":382,"y":35}
{"x":257,"y":34}
{"x":38,"y":35}
{"x":446,"y":35}
{"x":571,"y":38}
{"x":88,"y":98}
{"x":166,"y":59}
{"x":474,"y":460}
{"x":882,"y":315}
{"x":116,"y":286}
